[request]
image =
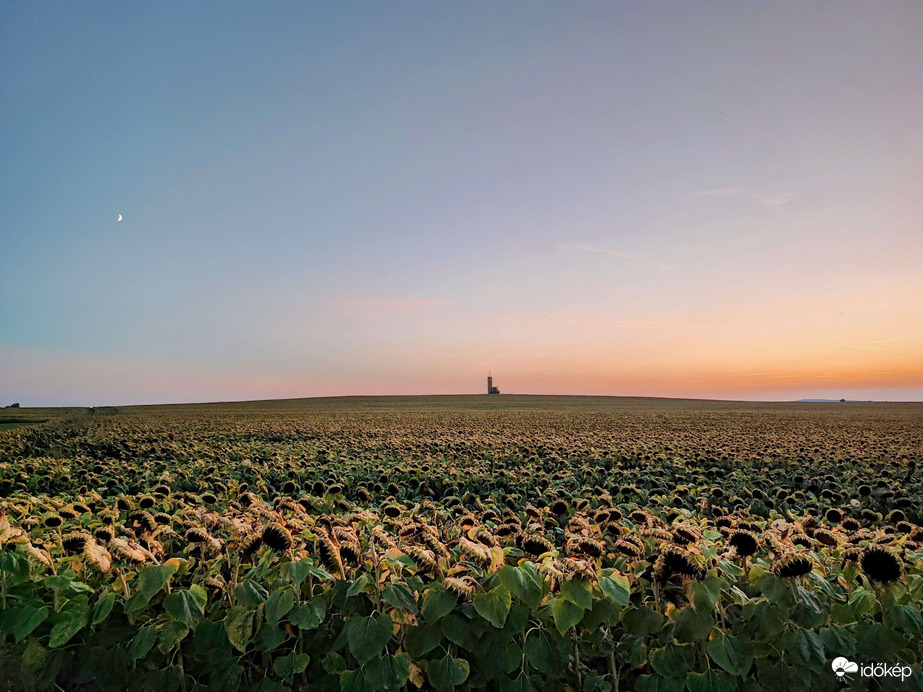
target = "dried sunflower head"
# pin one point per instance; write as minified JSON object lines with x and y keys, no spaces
{"x":536,"y":545}
{"x":104,"y":534}
{"x":250,"y":545}
{"x":462,"y":586}
{"x":277,"y":537}
{"x":74,"y":543}
{"x":792,"y":565}
{"x":674,"y":561}
{"x":392,"y":511}
{"x":628,"y":548}
{"x":197,"y":535}
{"x":850,"y":524}
{"x":881,"y":564}
{"x":744,"y":542}
{"x":825,"y":537}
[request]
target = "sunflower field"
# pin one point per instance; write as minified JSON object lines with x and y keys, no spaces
{"x":509,"y":546}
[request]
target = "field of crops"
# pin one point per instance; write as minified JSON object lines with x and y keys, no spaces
{"x":467,"y":543}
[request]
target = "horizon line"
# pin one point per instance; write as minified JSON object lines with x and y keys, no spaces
{"x":478,"y":394}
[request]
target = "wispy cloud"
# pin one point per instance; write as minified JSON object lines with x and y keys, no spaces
{"x":876,"y":345}
{"x":374,"y":305}
{"x":772,"y":200}
{"x":648,"y":325}
{"x":597,"y":250}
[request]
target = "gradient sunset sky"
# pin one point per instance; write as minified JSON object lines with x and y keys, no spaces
{"x":692,"y":199}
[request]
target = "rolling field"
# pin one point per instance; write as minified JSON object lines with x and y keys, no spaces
{"x":461,"y":542}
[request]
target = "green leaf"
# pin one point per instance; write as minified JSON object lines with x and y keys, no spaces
{"x":566,"y":614}
{"x":909,"y":618}
{"x":72,"y":618}
{"x":212,"y":639}
{"x":422,"y":639}
{"x":810,"y":648}
{"x":725,"y":650}
{"x":462,"y":631}
{"x":838,"y":639}
{"x":401,"y":597}
{"x":358,"y":586}
{"x":186,"y":606}
{"x":705,"y":593}
{"x":764,"y":620}
{"x":447,"y":672}
{"x":27,"y":619}
{"x":657,"y":683}
{"x":605,"y":611}
{"x":877,"y":642}
{"x":249,"y":593}
{"x":494,"y":605}
{"x":141,"y":643}
{"x":153,"y":578}
{"x":777,"y":590}
{"x":388,"y":672}
{"x":278,"y":605}
{"x":170,"y":635}
{"x":241,"y":623}
{"x":437,"y":602}
{"x":309,"y":615}
{"x":692,"y":625}
{"x":353,"y":681}
{"x":545,"y":651}
{"x":730,"y":569}
{"x":710,"y":681}
{"x":579,"y":592}
{"x":641,"y":621}
{"x":169,"y":679}
{"x":103,"y":607}
{"x":270,"y":638}
{"x":297,"y":572}
{"x":289,"y":666}
{"x":520,"y":684}
{"x":673,"y":661}
{"x":617,"y":588}
{"x":524,"y":582}
{"x":333,"y":663}
{"x":368,"y":636}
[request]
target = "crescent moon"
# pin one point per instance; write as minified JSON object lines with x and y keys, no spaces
{"x":120,"y":218}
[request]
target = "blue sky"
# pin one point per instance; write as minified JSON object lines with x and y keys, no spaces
{"x":681,"y":199}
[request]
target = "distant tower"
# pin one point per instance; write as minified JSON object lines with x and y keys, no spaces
{"x":490,"y":384}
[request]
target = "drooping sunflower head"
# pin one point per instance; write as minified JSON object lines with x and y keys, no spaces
{"x":744,"y":542}
{"x":461,"y":586}
{"x":104,"y":534}
{"x":674,"y":561}
{"x":250,"y":545}
{"x":73,"y":543}
{"x":536,"y":545}
{"x":392,"y":511}
{"x":277,"y":537}
{"x":197,"y":535}
{"x":825,"y":537}
{"x":850,"y":524}
{"x":881,"y":564}
{"x":792,"y":565}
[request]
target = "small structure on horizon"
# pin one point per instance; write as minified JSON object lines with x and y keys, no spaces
{"x":490,"y":385}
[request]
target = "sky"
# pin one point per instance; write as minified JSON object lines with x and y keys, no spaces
{"x":709,"y":200}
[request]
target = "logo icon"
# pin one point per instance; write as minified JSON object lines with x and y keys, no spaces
{"x":842,"y":666}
